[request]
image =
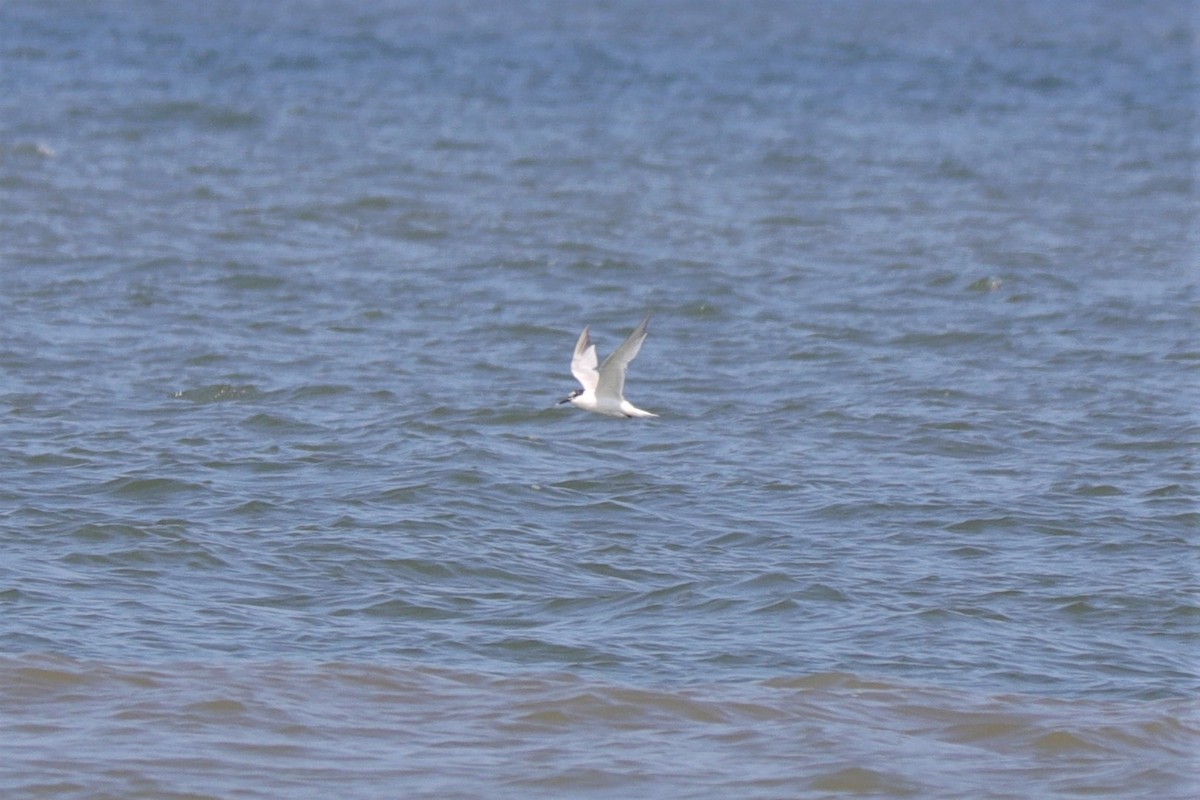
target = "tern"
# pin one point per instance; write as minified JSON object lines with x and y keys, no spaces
{"x":604,"y":387}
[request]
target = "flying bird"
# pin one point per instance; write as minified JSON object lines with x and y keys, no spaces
{"x":604,"y":387}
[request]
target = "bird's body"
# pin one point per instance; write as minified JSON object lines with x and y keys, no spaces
{"x":604,"y":386}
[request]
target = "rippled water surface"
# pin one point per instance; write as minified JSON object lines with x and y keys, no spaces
{"x":288,"y":293}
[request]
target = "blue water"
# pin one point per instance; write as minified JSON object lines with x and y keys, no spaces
{"x":288,"y":293}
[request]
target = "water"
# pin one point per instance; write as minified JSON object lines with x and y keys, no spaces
{"x":289,"y":292}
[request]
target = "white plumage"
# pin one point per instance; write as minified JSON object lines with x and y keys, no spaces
{"x":604,"y":386}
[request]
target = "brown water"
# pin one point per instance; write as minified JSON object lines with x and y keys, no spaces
{"x":342,"y":729}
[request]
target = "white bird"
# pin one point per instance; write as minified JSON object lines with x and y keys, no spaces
{"x":604,"y":388}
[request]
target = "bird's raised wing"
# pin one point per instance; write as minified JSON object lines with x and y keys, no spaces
{"x":612,"y":371}
{"x":583,"y":363}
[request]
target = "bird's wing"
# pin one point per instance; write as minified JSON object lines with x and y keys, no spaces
{"x":612,"y":371}
{"x":583,"y":363}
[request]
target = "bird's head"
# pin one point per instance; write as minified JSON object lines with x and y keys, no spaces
{"x":570,"y":397}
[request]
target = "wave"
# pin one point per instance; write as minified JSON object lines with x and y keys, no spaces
{"x":358,"y":729}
